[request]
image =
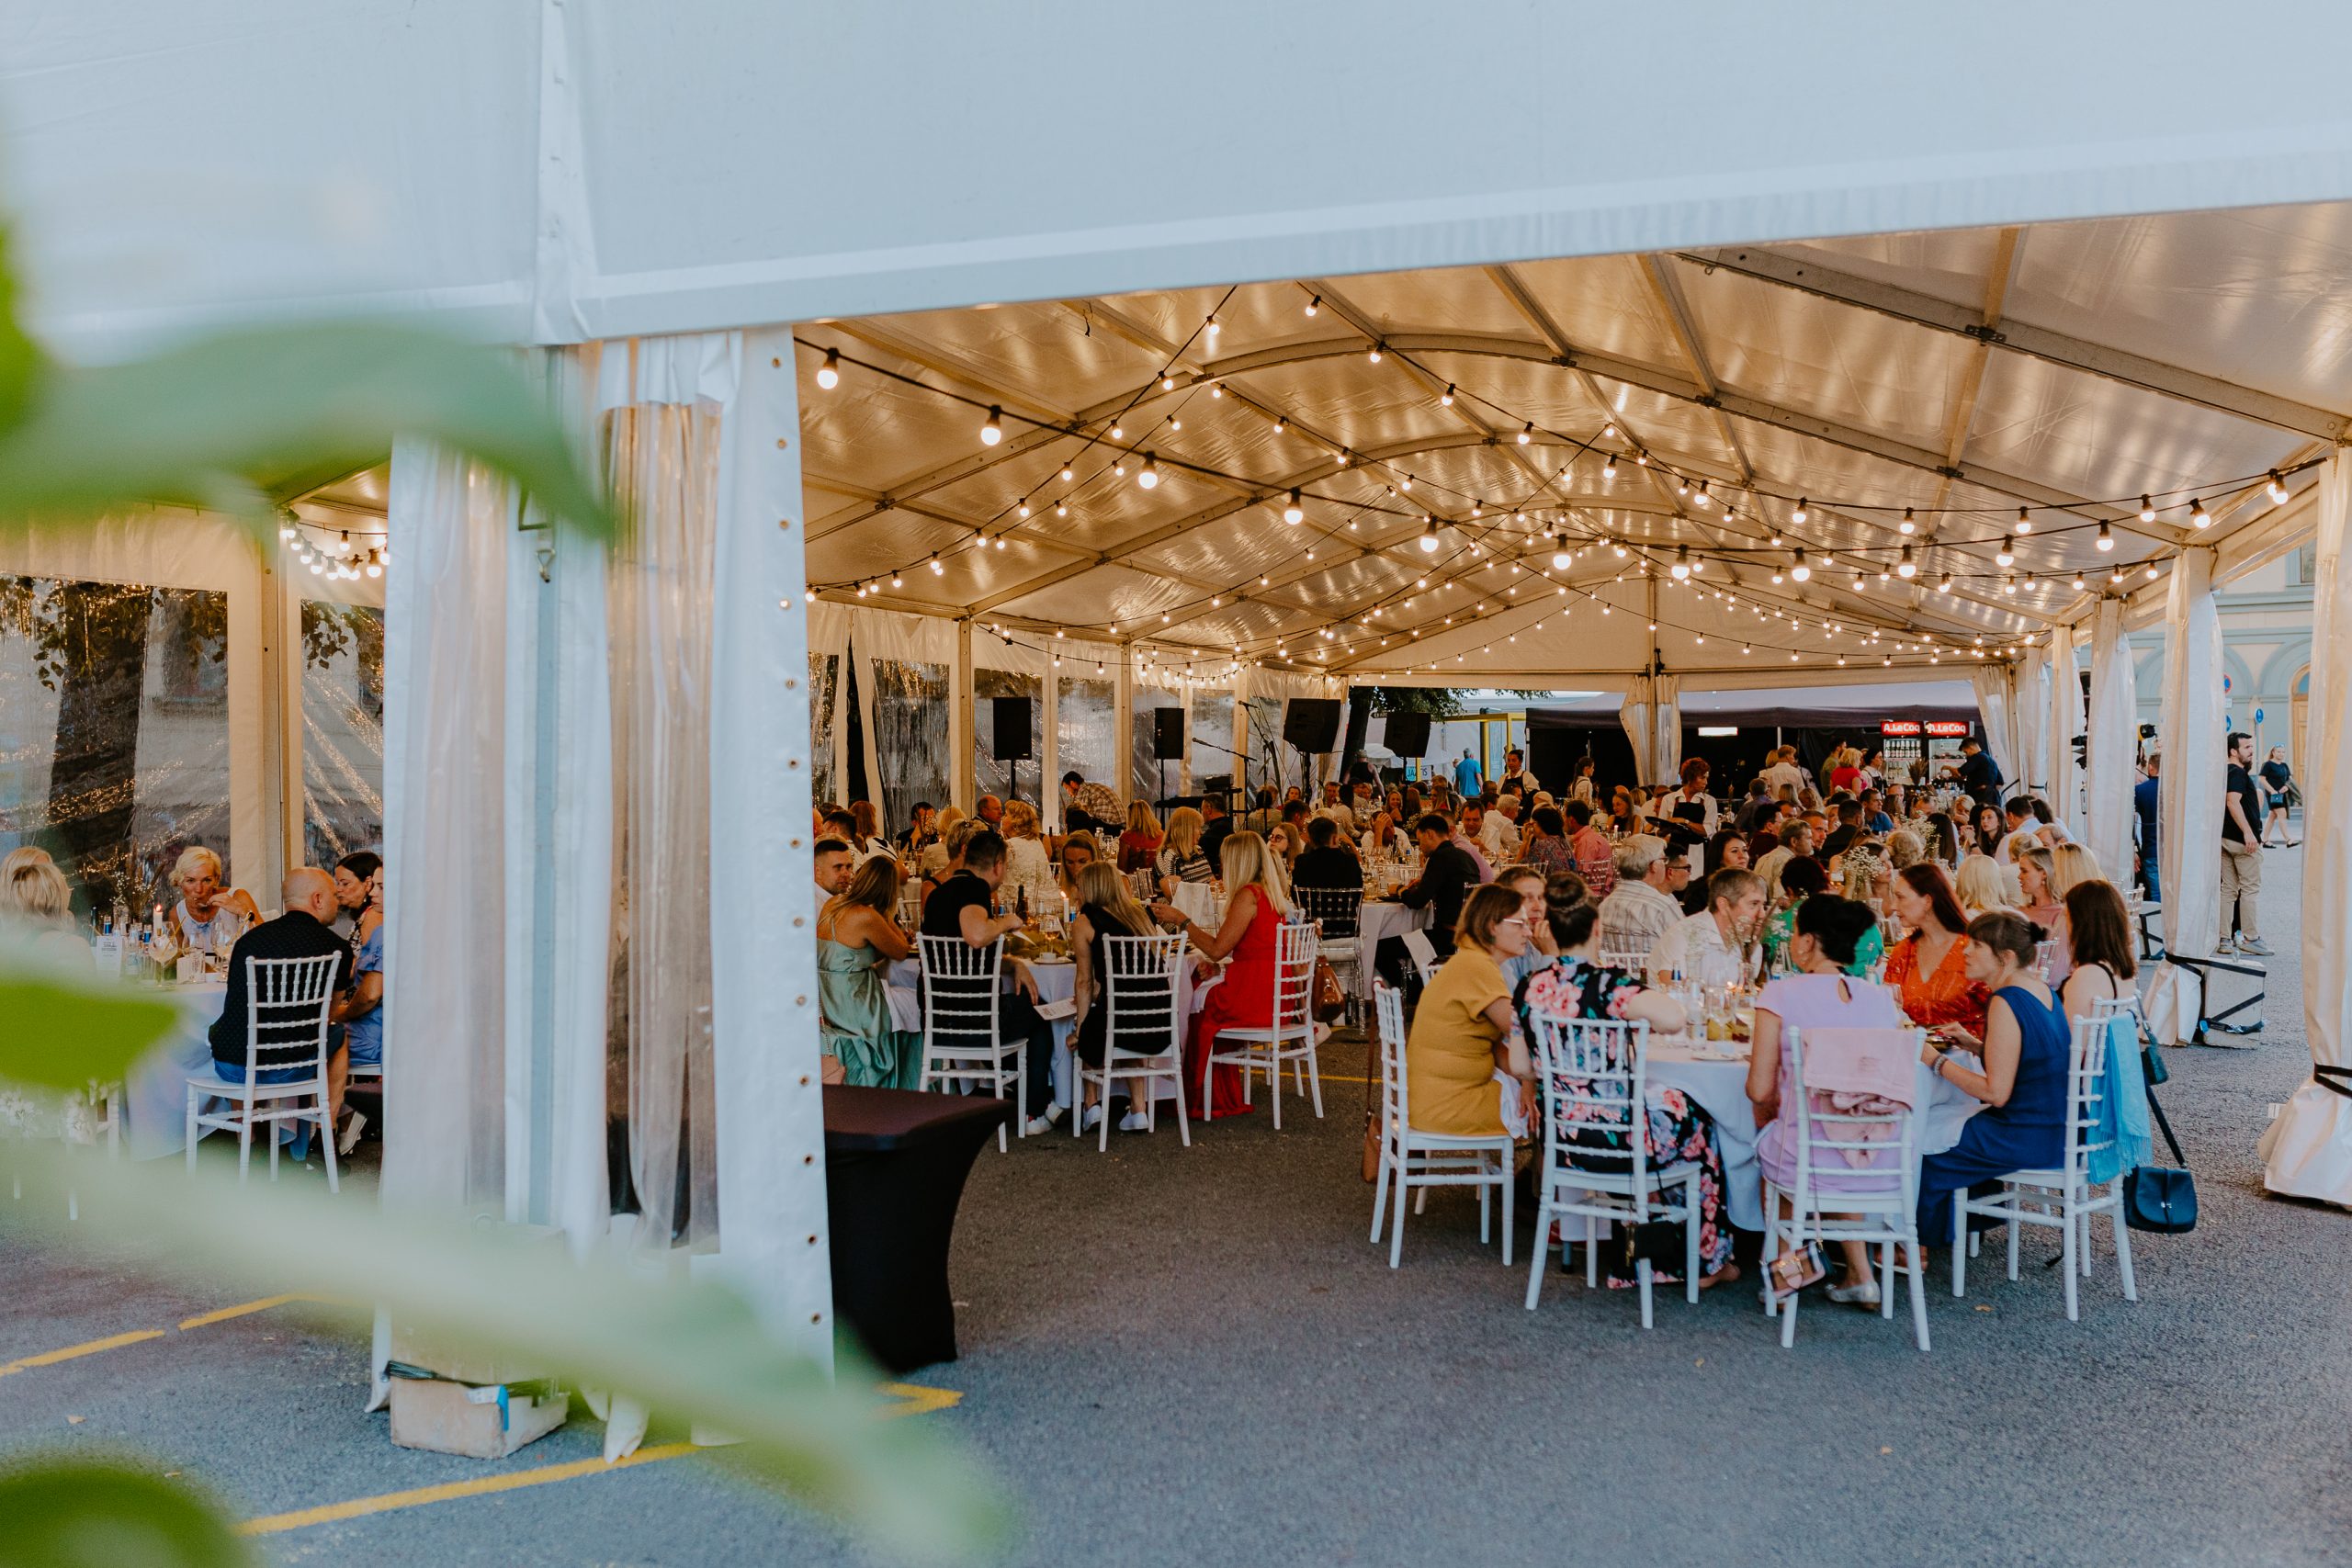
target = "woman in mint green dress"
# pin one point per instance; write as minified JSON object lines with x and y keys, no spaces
{"x":1800,"y":879}
{"x":857,"y":936}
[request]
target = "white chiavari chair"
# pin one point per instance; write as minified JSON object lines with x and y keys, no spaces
{"x":1143,"y":1028}
{"x":287,"y":1004}
{"x":1411,"y":1158}
{"x":1290,"y":1037}
{"x":962,"y":1045}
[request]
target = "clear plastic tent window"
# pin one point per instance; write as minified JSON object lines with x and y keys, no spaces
{"x":343,"y":730}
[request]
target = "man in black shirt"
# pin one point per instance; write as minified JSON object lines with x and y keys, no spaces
{"x":1326,"y":864}
{"x":1447,"y":875}
{"x":1977,"y":775}
{"x":301,"y":932}
{"x":1849,"y":829}
{"x":2241,"y":850}
{"x":2147,"y":799}
{"x":1217,"y":828}
{"x":963,"y":907}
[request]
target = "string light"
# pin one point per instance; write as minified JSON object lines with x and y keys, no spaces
{"x":2025,"y":520}
{"x":1907,"y":568}
{"x":2198,"y":516}
{"x":2106,"y":540}
{"x":2147,"y":510}
{"x":1315,"y":304}
{"x":1798,"y":569}
{"x":1150,"y":478}
{"x":1527,"y":433}
{"x":1796,"y":518}
{"x":937,"y":568}
{"x":1429,"y":535}
{"x":829,"y":374}
{"x":1608,"y":467}
{"x":994,"y":431}
{"x":1294,"y":511}
{"x":1908,"y":526}
{"x":1446,"y":398}
{"x":1375,"y":355}
{"x":2007,"y":554}
{"x":1682,"y":563}
{"x":2277,"y":488}
{"x":1561,"y":558}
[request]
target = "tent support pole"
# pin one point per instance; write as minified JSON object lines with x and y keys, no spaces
{"x":961,"y":718}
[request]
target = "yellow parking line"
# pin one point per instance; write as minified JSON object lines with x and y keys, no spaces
{"x":480,"y":1486}
{"x":72,"y":1352}
{"x":204,"y":1320}
{"x":918,"y":1401}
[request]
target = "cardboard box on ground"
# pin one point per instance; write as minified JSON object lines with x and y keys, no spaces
{"x":469,"y":1405}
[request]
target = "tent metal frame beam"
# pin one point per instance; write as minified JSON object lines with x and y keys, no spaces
{"x":2172,"y":381}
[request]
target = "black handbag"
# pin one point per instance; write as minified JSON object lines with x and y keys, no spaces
{"x":1657,"y":1243}
{"x":2158,"y":1197}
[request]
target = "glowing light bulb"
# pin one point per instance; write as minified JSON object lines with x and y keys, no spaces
{"x":1446,"y":398}
{"x":1907,"y":568}
{"x":2025,"y":520}
{"x":1315,"y":304}
{"x":1561,"y":558}
{"x":2106,"y":540}
{"x":1796,"y":518}
{"x":994,"y":431}
{"x":2198,"y":516}
{"x":1429,"y":535}
{"x":1150,"y":478}
{"x":2148,"y":509}
{"x":1682,"y":563}
{"x":936,"y":568}
{"x":1294,"y":513}
{"x":1608,"y":467}
{"x":2007,"y":554}
{"x":1798,"y":568}
{"x":2277,"y":488}
{"x":1375,"y":355}
{"x":829,"y":374}
{"x":1908,"y":526}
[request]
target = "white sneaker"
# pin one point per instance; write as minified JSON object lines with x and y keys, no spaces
{"x":351,"y":1131}
{"x":1092,"y":1118}
{"x":1135,"y":1121}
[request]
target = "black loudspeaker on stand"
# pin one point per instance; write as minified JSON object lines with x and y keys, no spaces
{"x":1407,"y":735}
{"x":1012,"y":747}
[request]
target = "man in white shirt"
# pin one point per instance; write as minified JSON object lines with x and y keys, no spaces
{"x":1498,"y":835}
{"x":1718,"y":946}
{"x":1640,"y":909}
{"x":2024,"y":831}
{"x":1796,"y":838}
{"x":1784,"y":771}
{"x":1366,"y":806}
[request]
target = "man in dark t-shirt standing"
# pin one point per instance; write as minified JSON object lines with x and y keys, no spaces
{"x":2241,"y":850}
{"x":2147,"y":804}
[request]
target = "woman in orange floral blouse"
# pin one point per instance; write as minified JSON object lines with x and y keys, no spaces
{"x":1929,"y":969}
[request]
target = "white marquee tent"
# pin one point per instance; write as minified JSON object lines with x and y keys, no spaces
{"x":1826,"y":278}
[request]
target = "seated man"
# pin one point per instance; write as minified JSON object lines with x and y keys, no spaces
{"x":1641,"y":908}
{"x":1717,"y":946}
{"x":1215,"y":828}
{"x":964,"y":906}
{"x":1329,"y":862}
{"x":833,"y":864}
{"x":300,"y":932}
{"x":1448,"y":873}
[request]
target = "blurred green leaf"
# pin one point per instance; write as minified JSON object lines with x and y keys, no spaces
{"x":64,"y":1028}
{"x":207,"y":423}
{"x":20,"y":361}
{"x":686,"y":1349}
{"x":84,"y":1514}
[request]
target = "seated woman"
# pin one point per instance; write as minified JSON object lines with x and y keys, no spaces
{"x":2022,"y":1080}
{"x":36,"y":907}
{"x":1179,"y":857}
{"x":1466,"y":1072}
{"x":951,"y":854}
{"x":1980,"y":886}
{"x":1026,"y":863}
{"x":1929,"y":969}
{"x":1079,"y":850}
{"x":933,"y":863}
{"x":1678,"y":1129}
{"x":1139,"y":845}
{"x":857,"y":936}
{"x":1819,"y":996}
{"x":209,"y":917}
{"x":360,"y":1009}
{"x":1800,"y":880}
{"x":353,"y":874}
{"x":2071,"y":866}
{"x":1257,"y":902}
{"x":1282,"y":843}
{"x":866,"y":838}
{"x":2038,"y":901}
{"x":2101,"y":964}
{"x":1105,"y":908}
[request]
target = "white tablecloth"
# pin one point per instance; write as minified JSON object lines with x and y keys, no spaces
{"x":1199,"y":904}
{"x":1721,"y":1089}
{"x":1375,"y":921}
{"x":155,"y":1102}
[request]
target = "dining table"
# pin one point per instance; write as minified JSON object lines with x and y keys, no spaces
{"x":1375,"y":919}
{"x":154,"y":1099}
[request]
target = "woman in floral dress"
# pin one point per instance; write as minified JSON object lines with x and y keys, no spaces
{"x":1678,"y":1130}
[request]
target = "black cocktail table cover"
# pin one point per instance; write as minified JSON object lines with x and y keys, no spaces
{"x":895,"y":1163}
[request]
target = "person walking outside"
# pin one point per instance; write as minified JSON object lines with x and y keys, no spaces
{"x":2241,"y":851}
{"x":2278,"y":793}
{"x":2145,"y":797}
{"x":1468,"y":776}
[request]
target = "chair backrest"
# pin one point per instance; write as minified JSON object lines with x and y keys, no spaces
{"x":2044,"y":954}
{"x":1295,"y":948}
{"x":959,"y":987}
{"x":1139,"y":992}
{"x":1828,"y":1140}
{"x":1593,"y":1073}
{"x":287,"y":1000}
{"x":2086,"y":1087}
{"x":1625,"y":950}
{"x":1388,"y":1010}
{"x":1336,"y":911}
{"x":910,"y":905}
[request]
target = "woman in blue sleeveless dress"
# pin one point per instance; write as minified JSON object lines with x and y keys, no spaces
{"x":2023,"y":1082}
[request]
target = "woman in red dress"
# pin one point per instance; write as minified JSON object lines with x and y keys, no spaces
{"x":1929,"y":969}
{"x":1257,"y":902}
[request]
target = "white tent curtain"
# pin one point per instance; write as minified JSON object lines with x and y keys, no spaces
{"x":2114,"y":715}
{"x":828,"y":699}
{"x":1666,"y":732}
{"x":2193,"y":771}
{"x":1996,"y":702}
{"x":2029,"y":712}
{"x":2066,"y":721}
{"x":1634,"y":713}
{"x":2307,"y":1152}
{"x":904,"y":679}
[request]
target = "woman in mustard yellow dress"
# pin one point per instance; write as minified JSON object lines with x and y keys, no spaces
{"x":1467,"y":1071}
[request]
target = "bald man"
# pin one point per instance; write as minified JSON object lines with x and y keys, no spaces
{"x":285,"y":1053}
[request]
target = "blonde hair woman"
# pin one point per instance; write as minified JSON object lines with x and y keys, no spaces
{"x":1179,"y":857}
{"x":1256,"y":900}
{"x":2037,"y":900}
{"x":2071,"y":866}
{"x":1981,"y":886}
{"x":1105,"y":910}
{"x":935,"y":854}
{"x":209,"y":917}
{"x":1139,"y":845}
{"x":36,"y":901}
{"x":1025,"y":860}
